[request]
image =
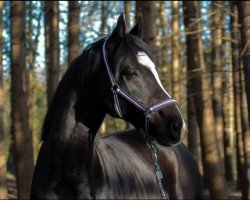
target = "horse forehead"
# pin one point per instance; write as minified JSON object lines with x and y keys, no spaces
{"x":143,"y":59}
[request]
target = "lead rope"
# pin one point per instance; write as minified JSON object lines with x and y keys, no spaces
{"x":157,"y":170}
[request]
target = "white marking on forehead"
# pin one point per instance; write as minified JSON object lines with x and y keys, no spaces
{"x":143,"y":59}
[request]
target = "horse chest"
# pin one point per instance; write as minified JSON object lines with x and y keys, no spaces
{"x":134,"y":183}
{"x":126,"y":175}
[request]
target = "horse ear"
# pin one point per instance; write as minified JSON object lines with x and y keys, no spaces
{"x":118,"y":32}
{"x":137,"y":29}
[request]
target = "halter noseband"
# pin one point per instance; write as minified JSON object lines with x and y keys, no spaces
{"x":117,"y":90}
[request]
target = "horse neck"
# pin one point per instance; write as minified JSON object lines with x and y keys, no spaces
{"x":73,"y":109}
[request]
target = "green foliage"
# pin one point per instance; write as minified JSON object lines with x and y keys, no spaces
{"x":114,"y":125}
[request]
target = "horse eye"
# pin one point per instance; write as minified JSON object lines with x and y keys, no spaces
{"x":130,"y":73}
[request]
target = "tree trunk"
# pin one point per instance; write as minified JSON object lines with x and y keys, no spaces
{"x":127,"y":9}
{"x":165,"y":71}
{"x":193,"y":129}
{"x":104,"y":18}
{"x":52,"y":47}
{"x":245,"y":136}
{"x":175,"y":51}
{"x":148,"y":11}
{"x":3,"y":183}
{"x":73,"y":31}
{"x":212,"y":164}
{"x":32,"y":41}
{"x":227,"y":105}
{"x":244,"y":21}
{"x":217,"y":72}
{"x":228,"y":121}
{"x":23,"y":151}
{"x":30,"y":68}
{"x":241,"y":181}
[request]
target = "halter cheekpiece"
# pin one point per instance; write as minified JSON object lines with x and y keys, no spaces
{"x":146,"y":110}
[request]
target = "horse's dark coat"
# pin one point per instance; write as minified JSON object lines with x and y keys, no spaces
{"x":123,"y":169}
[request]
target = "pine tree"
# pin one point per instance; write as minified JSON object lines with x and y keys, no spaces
{"x":3,"y":183}
{"x":148,"y":11}
{"x":127,"y":8}
{"x":73,"y":31}
{"x":244,"y":21}
{"x":52,"y":47}
{"x":235,"y":45}
{"x":23,"y":151}
{"x":217,"y":72}
{"x":213,"y":170}
{"x":175,"y":51}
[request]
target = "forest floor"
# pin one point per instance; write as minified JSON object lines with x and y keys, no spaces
{"x":11,"y":184}
{"x":233,"y":194}
{"x":12,"y":190}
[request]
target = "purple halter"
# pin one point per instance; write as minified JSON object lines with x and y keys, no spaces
{"x":118,"y":91}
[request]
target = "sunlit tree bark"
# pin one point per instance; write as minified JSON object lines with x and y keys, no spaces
{"x":217,"y":67}
{"x":244,"y":21}
{"x":212,"y":164}
{"x":3,"y":183}
{"x":227,"y":103}
{"x":245,"y":136}
{"x":165,"y":69}
{"x":175,"y":51}
{"x":104,"y":17}
{"x":73,"y":31}
{"x":228,"y":121}
{"x":23,"y":151}
{"x":193,"y":129}
{"x":237,"y":101}
{"x":127,"y":9}
{"x":52,"y":47}
{"x":148,"y":11}
{"x":32,"y":38}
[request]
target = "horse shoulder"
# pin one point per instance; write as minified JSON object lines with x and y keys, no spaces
{"x":57,"y":161}
{"x":189,"y":172}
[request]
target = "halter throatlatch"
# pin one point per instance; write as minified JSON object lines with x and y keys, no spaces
{"x":147,"y":110}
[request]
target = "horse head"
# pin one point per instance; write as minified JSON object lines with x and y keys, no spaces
{"x":115,"y":75}
{"x":135,"y":89}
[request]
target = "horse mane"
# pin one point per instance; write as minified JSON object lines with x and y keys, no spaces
{"x":78,"y":73}
{"x":73,"y":79}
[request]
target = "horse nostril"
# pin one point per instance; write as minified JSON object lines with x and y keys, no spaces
{"x":176,"y":127}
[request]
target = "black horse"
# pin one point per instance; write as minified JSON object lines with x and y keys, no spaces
{"x":72,"y":163}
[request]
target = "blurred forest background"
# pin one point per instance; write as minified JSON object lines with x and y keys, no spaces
{"x":202,"y":50}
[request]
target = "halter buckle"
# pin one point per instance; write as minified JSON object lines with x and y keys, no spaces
{"x":115,"y":88}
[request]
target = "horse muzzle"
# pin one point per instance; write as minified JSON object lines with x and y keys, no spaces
{"x":167,"y":126}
